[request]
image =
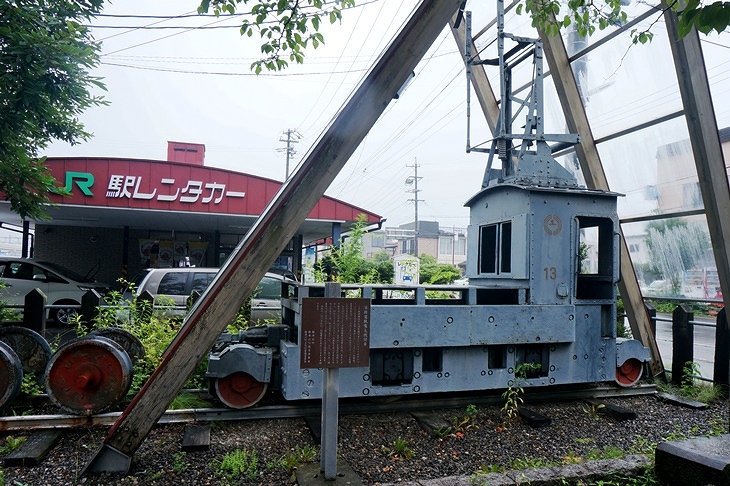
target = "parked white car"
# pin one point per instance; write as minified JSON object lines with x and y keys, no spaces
{"x":177,"y":283}
{"x":60,"y":285}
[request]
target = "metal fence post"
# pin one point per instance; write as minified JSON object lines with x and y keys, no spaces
{"x":682,"y":341}
{"x":330,"y":406}
{"x":721,"y":371}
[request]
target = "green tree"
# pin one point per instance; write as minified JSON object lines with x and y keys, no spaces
{"x":674,"y":247}
{"x":433,"y":272}
{"x":45,"y":58}
{"x":345,"y":263}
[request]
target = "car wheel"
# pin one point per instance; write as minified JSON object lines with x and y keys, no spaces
{"x":62,"y":316}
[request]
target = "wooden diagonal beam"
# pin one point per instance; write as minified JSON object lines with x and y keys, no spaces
{"x":270,"y":234}
{"x":590,"y":161}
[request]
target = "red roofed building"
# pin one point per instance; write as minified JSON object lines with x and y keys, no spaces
{"x":123,"y":215}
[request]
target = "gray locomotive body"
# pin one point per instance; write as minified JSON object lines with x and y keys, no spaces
{"x":542,"y":265}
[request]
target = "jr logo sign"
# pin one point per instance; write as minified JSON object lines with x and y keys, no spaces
{"x":83,"y":180}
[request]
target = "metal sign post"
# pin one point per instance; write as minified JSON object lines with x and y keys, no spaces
{"x":330,"y":414}
{"x":335,"y":333}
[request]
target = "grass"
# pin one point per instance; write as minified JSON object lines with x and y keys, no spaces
{"x":11,"y":443}
{"x":290,"y":461}
{"x":187,"y":400}
{"x":646,"y":478}
{"x":694,"y":390}
{"x":400,"y":449}
{"x":179,"y":465}
{"x":239,"y":463}
{"x":641,"y":445}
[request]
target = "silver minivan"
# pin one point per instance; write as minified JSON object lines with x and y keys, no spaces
{"x":178,"y":283}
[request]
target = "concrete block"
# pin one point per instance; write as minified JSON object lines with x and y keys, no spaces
{"x":700,"y":461}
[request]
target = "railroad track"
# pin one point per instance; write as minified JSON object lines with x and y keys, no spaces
{"x":309,"y":409}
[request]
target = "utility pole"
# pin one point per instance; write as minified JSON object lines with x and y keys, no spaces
{"x":413,"y":180}
{"x":292,"y":137}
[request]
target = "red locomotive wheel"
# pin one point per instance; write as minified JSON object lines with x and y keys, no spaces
{"x":239,"y":390}
{"x":88,"y":375}
{"x":629,"y":373}
{"x":11,"y":374}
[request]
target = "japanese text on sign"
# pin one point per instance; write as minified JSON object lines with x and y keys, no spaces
{"x":190,"y":192}
{"x":335,"y":333}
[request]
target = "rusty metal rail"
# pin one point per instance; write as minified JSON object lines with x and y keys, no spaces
{"x":299,"y":409}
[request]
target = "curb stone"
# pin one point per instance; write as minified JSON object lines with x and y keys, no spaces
{"x":630,"y":465}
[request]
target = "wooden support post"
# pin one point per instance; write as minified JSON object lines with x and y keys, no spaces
{"x":590,"y":162}
{"x":271,"y":233}
{"x":90,"y":302}
{"x":682,"y":341}
{"x":704,"y":137}
{"x":482,"y":87}
{"x":34,"y":312}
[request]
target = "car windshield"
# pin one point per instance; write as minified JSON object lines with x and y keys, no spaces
{"x":66,"y":272}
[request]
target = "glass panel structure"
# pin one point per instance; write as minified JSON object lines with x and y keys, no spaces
{"x":655,"y":130}
{"x":631,"y":97}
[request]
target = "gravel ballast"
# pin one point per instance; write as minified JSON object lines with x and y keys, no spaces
{"x":388,"y":448}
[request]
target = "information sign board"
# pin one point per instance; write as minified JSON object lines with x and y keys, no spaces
{"x":335,"y":332}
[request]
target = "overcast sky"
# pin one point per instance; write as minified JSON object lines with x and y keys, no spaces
{"x":195,"y":85}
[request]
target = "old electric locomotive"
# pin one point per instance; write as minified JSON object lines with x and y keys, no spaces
{"x":531,"y":298}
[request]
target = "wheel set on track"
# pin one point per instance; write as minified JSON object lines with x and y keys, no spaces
{"x":89,"y":375}
{"x":83,"y":377}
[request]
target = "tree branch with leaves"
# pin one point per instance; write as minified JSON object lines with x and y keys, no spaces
{"x":285,"y":26}
{"x":587,"y":15}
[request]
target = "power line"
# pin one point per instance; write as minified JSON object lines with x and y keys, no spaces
{"x":160,"y":38}
{"x":168,"y":27}
{"x":195,"y":15}
{"x":213,"y":73}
